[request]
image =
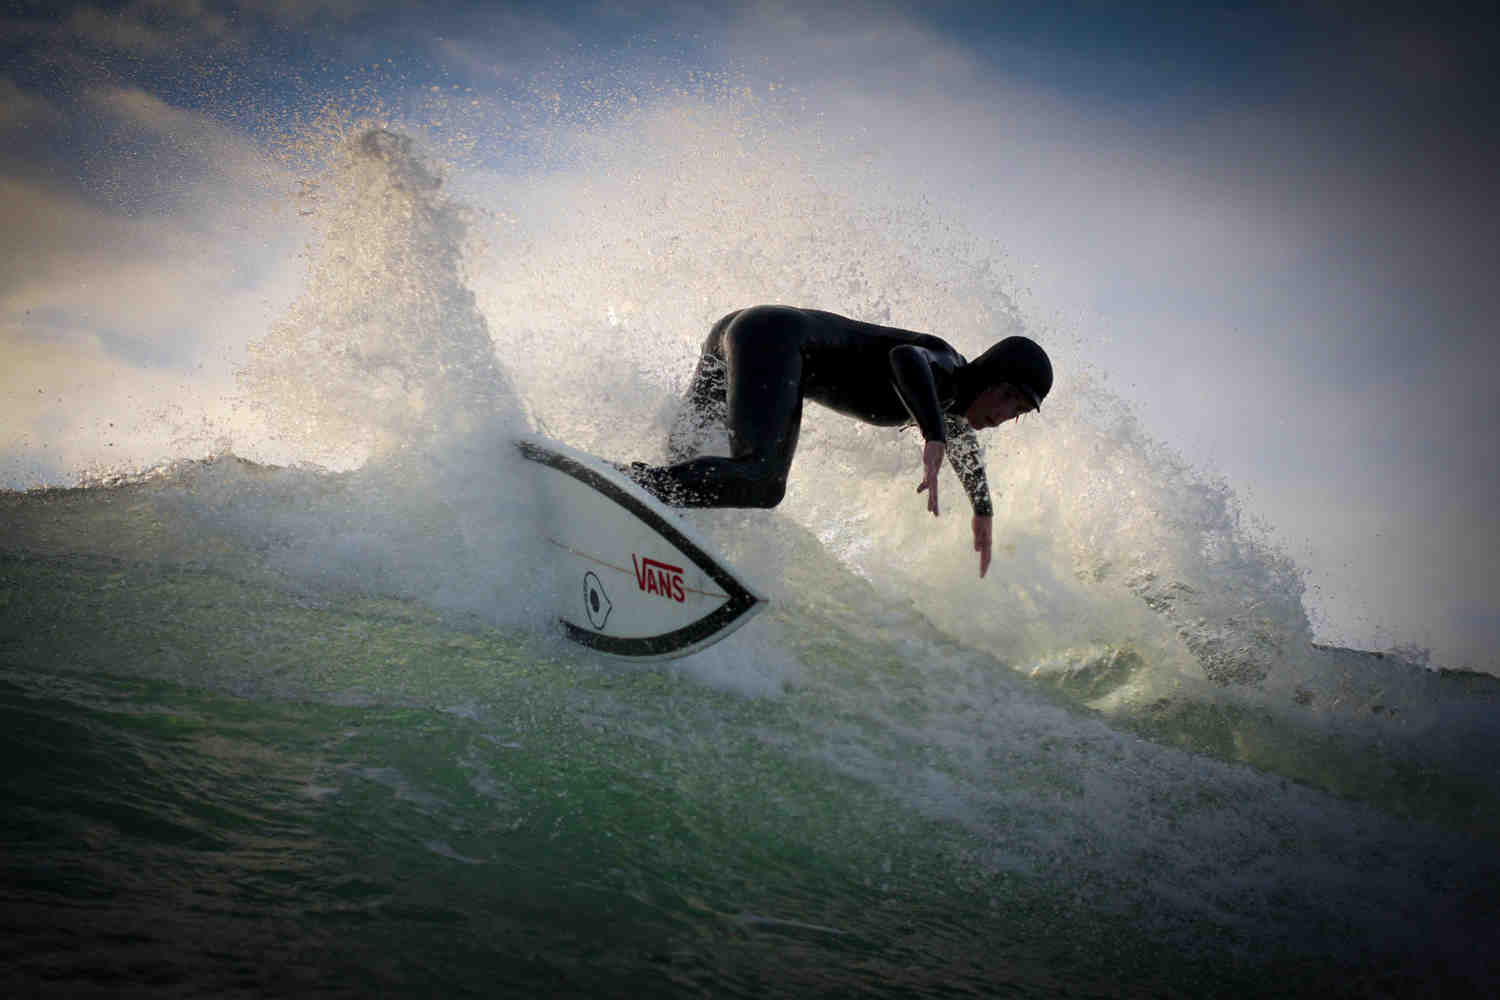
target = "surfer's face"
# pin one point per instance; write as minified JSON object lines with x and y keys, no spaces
{"x":995,"y":405}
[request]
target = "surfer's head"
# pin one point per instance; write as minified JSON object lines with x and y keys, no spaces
{"x":1009,"y":379}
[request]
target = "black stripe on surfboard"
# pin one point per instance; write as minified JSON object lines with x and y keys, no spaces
{"x":741,"y":601}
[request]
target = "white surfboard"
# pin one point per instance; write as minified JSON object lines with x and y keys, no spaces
{"x":633,"y":579}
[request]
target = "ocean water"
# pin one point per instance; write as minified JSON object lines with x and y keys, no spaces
{"x":305,"y":727}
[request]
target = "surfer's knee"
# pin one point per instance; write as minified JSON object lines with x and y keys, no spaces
{"x":713,"y":343}
{"x":761,"y":321}
{"x":765,"y":336}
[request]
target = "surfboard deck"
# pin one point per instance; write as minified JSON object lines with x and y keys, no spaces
{"x":633,"y":580}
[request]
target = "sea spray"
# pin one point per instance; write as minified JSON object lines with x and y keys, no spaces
{"x":384,"y":366}
{"x":603,"y":274}
{"x":1116,"y":563}
{"x":385,"y":350}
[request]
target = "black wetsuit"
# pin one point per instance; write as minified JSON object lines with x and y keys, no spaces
{"x":757,"y":367}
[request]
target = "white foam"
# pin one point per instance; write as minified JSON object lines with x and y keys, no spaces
{"x":412,"y":359}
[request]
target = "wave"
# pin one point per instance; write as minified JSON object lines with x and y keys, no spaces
{"x":1124,"y":582}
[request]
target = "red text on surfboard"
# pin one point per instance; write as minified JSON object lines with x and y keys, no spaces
{"x":658,"y":578}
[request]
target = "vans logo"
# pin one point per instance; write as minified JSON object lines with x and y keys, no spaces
{"x":658,"y":578}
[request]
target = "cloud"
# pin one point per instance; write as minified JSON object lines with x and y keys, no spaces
{"x":296,"y":13}
{"x":54,"y":239}
{"x":196,"y":146}
{"x":129,"y":285}
{"x":119,"y":336}
{"x":148,"y":27}
{"x":118,"y":41}
{"x":202,"y":176}
{"x":67,"y":406}
{"x":21,"y":110}
{"x":134,"y":291}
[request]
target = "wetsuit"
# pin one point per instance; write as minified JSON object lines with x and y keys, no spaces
{"x":757,"y":367}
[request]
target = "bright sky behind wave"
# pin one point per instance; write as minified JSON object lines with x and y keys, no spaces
{"x":1267,"y":227}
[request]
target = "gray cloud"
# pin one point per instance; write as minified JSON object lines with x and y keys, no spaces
{"x":129,"y":283}
{"x":21,"y":111}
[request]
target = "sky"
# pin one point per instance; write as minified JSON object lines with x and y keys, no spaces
{"x":1266,"y":227}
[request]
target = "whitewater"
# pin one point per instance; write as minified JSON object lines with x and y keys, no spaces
{"x":292,"y":717}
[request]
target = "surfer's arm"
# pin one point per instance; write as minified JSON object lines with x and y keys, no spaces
{"x":911,"y":375}
{"x":968,"y":463}
{"x":912,"y":378}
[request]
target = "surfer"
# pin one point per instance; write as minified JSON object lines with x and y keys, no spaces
{"x":759,"y":364}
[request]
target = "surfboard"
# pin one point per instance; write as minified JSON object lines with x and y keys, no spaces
{"x":633,"y":580}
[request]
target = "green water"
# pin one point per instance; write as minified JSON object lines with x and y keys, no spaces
{"x":215,"y":786}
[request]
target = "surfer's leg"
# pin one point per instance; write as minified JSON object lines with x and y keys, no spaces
{"x":704,"y":405}
{"x":763,"y":353}
{"x":762,"y":350}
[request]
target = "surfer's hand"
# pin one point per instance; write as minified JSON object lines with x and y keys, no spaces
{"x":932,"y":460}
{"x":983,"y":538}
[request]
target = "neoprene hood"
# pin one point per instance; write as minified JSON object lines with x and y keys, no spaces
{"x":1017,"y":360}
